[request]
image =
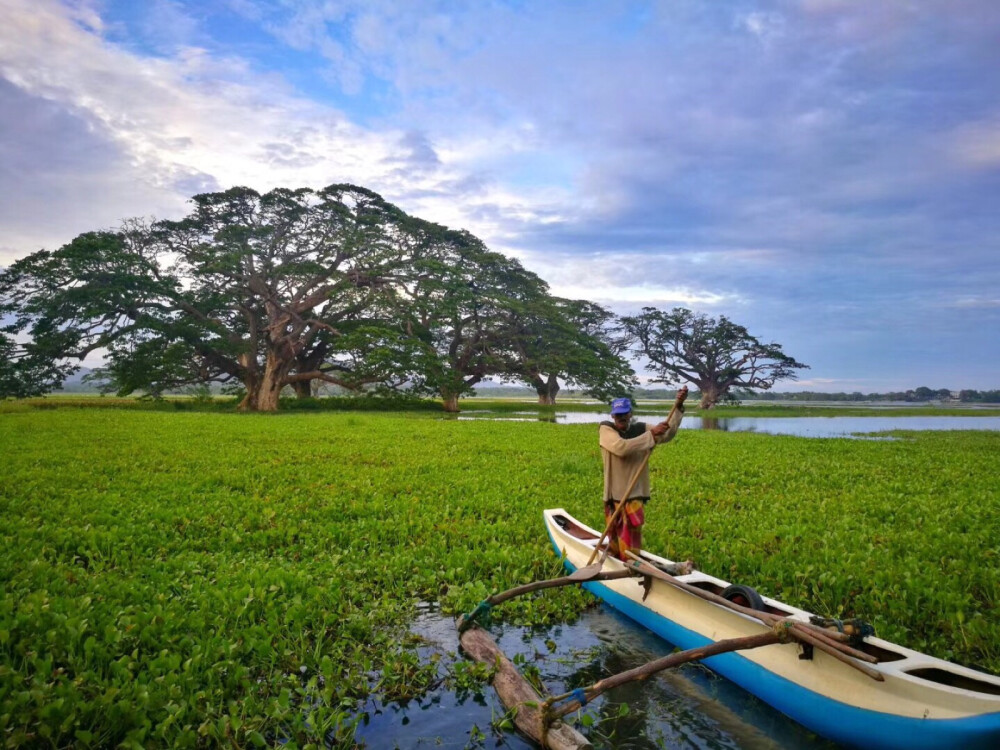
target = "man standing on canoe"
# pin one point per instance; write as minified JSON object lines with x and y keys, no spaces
{"x":625,"y":449}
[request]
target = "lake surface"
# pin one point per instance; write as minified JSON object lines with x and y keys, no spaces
{"x":689,"y":707}
{"x":818,"y":427}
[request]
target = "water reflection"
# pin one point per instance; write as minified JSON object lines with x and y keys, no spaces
{"x":818,"y":427}
{"x":825,"y":427}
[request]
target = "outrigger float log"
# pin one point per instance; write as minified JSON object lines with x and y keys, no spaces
{"x":835,"y":678}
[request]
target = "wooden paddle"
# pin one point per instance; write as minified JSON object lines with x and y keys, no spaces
{"x":678,"y":404}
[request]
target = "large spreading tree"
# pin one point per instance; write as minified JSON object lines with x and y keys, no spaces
{"x":266,"y":290}
{"x":477,"y":313}
{"x":714,"y":354}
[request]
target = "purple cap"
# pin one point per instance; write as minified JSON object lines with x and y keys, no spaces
{"x":621,"y":406}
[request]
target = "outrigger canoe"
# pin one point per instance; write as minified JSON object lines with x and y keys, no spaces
{"x":919,"y":702}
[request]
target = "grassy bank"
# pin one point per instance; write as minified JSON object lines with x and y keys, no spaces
{"x":477,"y":405}
{"x":185,"y":577}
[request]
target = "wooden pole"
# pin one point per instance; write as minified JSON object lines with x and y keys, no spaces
{"x":618,"y":511}
{"x":572,"y":702}
{"x":579,"y":576}
{"x":838,"y":653}
{"x":678,"y":403}
{"x":564,"y":581}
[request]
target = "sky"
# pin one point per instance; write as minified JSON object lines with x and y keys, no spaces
{"x":823,"y":172}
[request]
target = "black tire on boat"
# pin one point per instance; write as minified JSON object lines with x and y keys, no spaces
{"x":745,"y":597}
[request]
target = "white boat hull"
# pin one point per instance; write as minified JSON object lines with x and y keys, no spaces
{"x":923,"y":702}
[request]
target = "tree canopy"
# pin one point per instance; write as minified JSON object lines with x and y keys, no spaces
{"x":714,"y":354}
{"x":459,"y":309}
{"x":247,"y":288}
{"x":264,"y":291}
{"x":575,"y":341}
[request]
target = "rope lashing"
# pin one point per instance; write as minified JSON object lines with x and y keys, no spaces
{"x":783,"y":630}
{"x":559,"y":701}
{"x":483,"y":608}
{"x":555,"y":705}
{"x":856,"y":628}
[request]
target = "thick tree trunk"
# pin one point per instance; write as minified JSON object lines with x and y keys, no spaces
{"x":453,"y":387}
{"x":246,"y":403}
{"x":272,"y":383}
{"x":303,"y":388}
{"x":263,"y":389}
{"x":710,"y":395}
{"x":450,"y":402}
{"x":547,"y":390}
{"x":252,"y":383}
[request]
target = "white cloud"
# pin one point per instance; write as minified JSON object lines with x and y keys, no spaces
{"x":766,"y":26}
{"x":194,"y":121}
{"x":975,"y":302}
{"x":85,"y":13}
{"x":823,"y":382}
{"x":625,"y":281}
{"x":191,"y":111}
{"x":641,"y":295}
{"x":977,"y":144}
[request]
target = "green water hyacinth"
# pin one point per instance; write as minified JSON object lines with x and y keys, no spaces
{"x":186,"y":578}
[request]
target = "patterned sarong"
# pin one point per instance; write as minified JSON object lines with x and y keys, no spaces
{"x":626,"y":535}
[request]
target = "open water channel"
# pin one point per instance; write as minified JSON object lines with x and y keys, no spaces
{"x":816,"y":427}
{"x":689,"y":707}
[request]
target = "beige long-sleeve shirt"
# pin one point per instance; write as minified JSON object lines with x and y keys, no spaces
{"x":624,"y":453}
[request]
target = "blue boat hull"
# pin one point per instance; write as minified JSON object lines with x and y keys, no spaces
{"x":832,"y":719}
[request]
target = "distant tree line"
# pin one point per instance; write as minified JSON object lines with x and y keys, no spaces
{"x":973,"y":397}
{"x":668,"y":394}
{"x":284,"y":290}
{"x":915,"y":395}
